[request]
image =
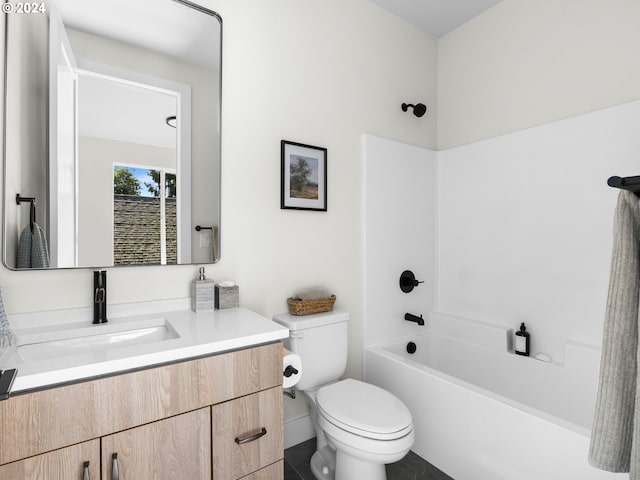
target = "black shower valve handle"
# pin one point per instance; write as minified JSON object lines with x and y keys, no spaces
{"x":408,"y":281}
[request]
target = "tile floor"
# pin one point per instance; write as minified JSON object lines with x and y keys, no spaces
{"x":411,"y":467}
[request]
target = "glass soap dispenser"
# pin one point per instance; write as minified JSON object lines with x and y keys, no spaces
{"x":203,"y":294}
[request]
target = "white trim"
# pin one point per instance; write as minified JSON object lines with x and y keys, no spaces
{"x":298,"y":430}
{"x":63,"y":168}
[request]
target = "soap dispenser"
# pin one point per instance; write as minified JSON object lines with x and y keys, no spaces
{"x":522,"y":341}
{"x":203,"y":293}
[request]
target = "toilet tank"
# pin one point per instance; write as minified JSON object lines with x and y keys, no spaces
{"x":321,"y":341}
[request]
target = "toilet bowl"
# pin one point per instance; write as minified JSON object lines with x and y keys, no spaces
{"x":359,"y":427}
{"x":367,"y":426}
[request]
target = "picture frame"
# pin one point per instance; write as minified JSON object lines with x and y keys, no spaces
{"x":303,"y":183}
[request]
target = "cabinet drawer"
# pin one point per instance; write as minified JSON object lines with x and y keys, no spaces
{"x":175,"y":448}
{"x":67,"y":463}
{"x":274,"y":471}
{"x":247,"y":434}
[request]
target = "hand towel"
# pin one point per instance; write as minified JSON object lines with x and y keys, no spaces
{"x":32,"y":248}
{"x":615,"y":435}
{"x":7,"y":338}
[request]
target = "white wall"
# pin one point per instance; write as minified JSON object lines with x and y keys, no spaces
{"x":321,"y":73}
{"x":399,"y":234}
{"x":525,"y":225}
{"x":525,"y":217}
{"x":528,"y":62}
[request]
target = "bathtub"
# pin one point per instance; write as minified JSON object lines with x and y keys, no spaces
{"x":482,"y":413}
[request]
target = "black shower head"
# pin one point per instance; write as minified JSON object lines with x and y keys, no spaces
{"x":418,"y":110}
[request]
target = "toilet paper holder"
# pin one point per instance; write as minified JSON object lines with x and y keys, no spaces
{"x":290,"y":370}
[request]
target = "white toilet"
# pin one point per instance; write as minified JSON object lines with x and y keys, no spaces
{"x":360,"y":427}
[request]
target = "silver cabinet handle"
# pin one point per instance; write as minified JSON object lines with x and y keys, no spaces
{"x":114,"y":467}
{"x":251,"y":438}
{"x":85,"y":470}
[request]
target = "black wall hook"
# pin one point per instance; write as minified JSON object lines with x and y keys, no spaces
{"x":408,"y":281}
{"x":32,"y":207}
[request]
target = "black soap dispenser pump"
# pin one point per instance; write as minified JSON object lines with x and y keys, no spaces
{"x":522,"y":341}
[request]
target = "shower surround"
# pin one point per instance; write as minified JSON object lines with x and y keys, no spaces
{"x":515,"y":228}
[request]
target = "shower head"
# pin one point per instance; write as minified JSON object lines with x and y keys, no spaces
{"x":418,"y":110}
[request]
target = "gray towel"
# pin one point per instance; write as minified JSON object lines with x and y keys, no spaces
{"x":7,"y":338}
{"x":32,"y":248}
{"x":615,"y":435}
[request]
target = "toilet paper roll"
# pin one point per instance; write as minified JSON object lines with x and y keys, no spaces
{"x":293,"y":361}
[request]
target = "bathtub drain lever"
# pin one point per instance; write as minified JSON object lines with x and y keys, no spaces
{"x":413,"y":318}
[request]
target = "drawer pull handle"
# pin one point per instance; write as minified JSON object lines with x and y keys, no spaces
{"x":85,"y":471}
{"x":114,"y":467}
{"x":251,"y":438}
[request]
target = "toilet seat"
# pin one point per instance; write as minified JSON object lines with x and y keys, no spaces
{"x":364,"y":409}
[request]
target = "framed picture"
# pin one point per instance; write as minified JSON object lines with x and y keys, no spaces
{"x":304,"y":176}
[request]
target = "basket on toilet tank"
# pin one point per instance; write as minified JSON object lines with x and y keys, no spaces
{"x":321,"y":341}
{"x":308,"y":307}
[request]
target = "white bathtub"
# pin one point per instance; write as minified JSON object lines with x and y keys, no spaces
{"x":484,"y":414}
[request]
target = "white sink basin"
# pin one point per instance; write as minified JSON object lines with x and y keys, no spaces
{"x":93,"y":339}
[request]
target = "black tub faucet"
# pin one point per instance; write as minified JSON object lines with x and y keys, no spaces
{"x":100,"y":296}
{"x":412,"y":318}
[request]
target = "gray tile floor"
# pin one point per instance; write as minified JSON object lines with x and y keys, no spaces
{"x":411,"y":467}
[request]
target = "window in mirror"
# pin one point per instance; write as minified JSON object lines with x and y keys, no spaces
{"x":144,"y":221}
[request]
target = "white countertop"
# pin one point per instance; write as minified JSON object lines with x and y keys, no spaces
{"x":198,"y":334}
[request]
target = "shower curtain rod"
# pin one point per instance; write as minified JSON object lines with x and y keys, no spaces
{"x":626,"y":183}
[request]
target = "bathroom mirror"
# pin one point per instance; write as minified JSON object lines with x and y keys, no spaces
{"x":112,"y":134}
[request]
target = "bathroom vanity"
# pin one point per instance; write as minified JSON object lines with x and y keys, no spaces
{"x":216,"y":415}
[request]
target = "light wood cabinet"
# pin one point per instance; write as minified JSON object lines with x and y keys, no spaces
{"x":77,"y":462}
{"x":162,"y":422}
{"x":271,"y":472}
{"x":247,"y":434}
{"x":178,"y":447}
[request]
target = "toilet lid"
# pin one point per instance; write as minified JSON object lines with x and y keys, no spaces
{"x":364,"y":409}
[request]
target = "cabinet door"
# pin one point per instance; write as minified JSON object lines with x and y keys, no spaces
{"x":274,"y":471}
{"x":247,"y":434}
{"x":78,"y":462}
{"x":175,"y":448}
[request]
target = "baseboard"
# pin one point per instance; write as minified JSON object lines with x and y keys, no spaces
{"x":298,"y":430}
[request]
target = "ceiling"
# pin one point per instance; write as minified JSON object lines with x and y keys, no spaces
{"x":164,"y":26}
{"x":437,"y":17}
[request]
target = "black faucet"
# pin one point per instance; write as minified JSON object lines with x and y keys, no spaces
{"x":100,"y":296}
{"x":412,"y":318}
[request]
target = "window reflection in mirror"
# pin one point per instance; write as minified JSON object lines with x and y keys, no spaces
{"x":144,"y":216}
{"x":135,"y":91}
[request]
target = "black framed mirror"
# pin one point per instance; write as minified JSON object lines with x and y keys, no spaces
{"x":112,"y":126}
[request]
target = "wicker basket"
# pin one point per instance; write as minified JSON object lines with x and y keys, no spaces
{"x":307,"y":307}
